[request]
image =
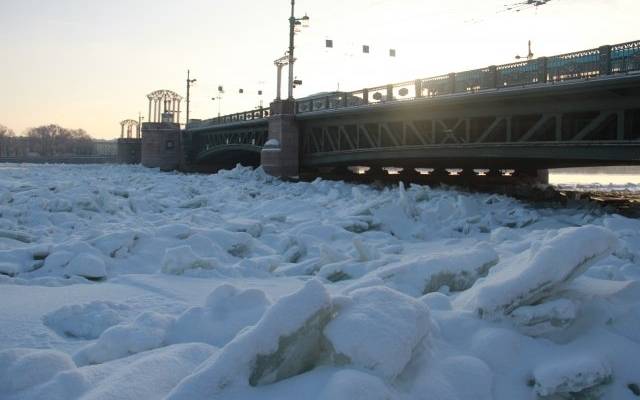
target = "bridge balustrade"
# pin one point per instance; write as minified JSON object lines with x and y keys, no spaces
{"x":357,"y":98}
{"x":405,"y":91}
{"x":520,"y":74}
{"x":606,"y":60}
{"x":251,"y":115}
{"x":576,"y":65}
{"x":473,"y":81}
{"x":436,"y":86}
{"x":625,"y":57}
{"x":379,"y":95}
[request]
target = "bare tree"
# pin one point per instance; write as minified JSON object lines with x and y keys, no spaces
{"x":53,"y":140}
{"x":7,"y":137}
{"x":46,"y":141}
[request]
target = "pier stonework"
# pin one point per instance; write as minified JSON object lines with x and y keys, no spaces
{"x":129,"y":151}
{"x":281,"y":154}
{"x":161,"y":145}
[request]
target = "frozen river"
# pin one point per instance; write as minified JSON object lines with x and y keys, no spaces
{"x":612,"y":177}
{"x":119,"y":282}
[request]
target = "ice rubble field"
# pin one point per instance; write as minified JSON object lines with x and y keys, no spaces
{"x":126,"y":283}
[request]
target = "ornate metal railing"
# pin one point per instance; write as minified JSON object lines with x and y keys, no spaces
{"x":436,"y":86}
{"x":625,"y":57}
{"x":605,"y":60}
{"x":255,"y":114}
{"x":581,"y":64}
{"x":519,"y":74}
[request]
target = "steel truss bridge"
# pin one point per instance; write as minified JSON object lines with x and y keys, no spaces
{"x":575,"y":109}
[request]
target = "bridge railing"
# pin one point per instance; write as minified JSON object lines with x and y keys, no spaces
{"x":436,"y":86}
{"x":625,"y":57}
{"x":255,"y":114}
{"x":520,"y":74}
{"x":605,"y":60}
{"x":576,"y":65}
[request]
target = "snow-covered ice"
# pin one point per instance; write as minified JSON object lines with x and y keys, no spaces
{"x":86,"y":321}
{"x":120,"y":282}
{"x":391,"y":327}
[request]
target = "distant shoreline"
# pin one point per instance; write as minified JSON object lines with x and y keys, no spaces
{"x":620,"y":170}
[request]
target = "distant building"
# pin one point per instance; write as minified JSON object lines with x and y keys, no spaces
{"x":106,"y":147}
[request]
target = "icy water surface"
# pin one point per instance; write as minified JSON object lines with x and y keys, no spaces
{"x":616,"y":178}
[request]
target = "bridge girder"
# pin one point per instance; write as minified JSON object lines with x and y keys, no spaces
{"x":537,"y":156}
{"x":578,"y":123}
{"x":594,"y":123}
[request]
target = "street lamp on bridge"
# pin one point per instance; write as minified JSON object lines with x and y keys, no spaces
{"x":529,"y":54}
{"x":293,"y":22}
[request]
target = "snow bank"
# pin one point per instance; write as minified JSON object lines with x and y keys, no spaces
{"x":348,"y":269}
{"x":570,"y":375}
{"x":226,"y":312}
{"x":236,"y":243}
{"x":86,"y":321}
{"x":457,"y":270}
{"x":16,"y":235}
{"x":150,"y":375}
{"x":145,"y":333}
{"x":538,"y":272}
{"x":284,"y":343}
{"x":437,"y":301}
{"x":155,"y":373}
{"x":57,"y":259}
{"x":116,"y":244}
{"x":378,"y":329}
{"x":178,"y":260}
{"x":454,"y":378}
{"x":545,"y":318}
{"x":350,"y":384}
{"x":471,"y":377}
{"x":16,"y":261}
{"x":178,"y":231}
{"x":10,"y":268}
{"x":24,"y":368}
{"x":87,"y":265}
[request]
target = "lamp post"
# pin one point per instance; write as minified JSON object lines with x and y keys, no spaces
{"x":529,"y":55}
{"x":293,"y":21}
{"x":140,"y":119}
{"x":189,"y":83}
{"x":219,"y":98}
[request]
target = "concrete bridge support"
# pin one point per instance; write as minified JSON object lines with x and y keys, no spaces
{"x":281,"y":154}
{"x":129,"y":151}
{"x":161,"y":145}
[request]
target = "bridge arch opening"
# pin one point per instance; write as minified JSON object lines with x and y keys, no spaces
{"x":227,"y":157}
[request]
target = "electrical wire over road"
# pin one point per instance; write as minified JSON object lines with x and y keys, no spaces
{"x":525,"y":5}
{"x":514,"y":8}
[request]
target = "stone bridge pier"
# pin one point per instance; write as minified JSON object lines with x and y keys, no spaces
{"x":161,"y":145}
{"x":281,"y":154}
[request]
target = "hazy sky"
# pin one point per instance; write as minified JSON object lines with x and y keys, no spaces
{"x":90,"y":63}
